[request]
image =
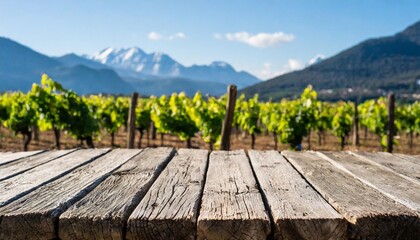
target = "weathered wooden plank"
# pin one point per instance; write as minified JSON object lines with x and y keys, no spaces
{"x":36,"y":214}
{"x":298,"y":211}
{"x":232,"y":206}
{"x":405,"y":168}
{"x":10,"y":157}
{"x":410,"y":158}
{"x":379,"y":177}
{"x":27,"y":163}
{"x":170,"y":208}
{"x":15,"y":187}
{"x":103,"y":213}
{"x":371,"y":214}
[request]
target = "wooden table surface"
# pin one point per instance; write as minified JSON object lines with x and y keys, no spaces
{"x":163,"y":193}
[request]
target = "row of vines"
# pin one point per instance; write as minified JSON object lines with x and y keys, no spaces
{"x":48,"y":106}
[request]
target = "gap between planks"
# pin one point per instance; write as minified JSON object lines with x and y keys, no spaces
{"x":18,"y":186}
{"x":37,"y":213}
{"x":27,"y":163}
{"x":297,"y":210}
{"x":232,"y":206}
{"x":14,"y":156}
{"x":369,"y":212}
{"x":170,"y":208}
{"x":103,"y":213}
{"x":385,"y":180}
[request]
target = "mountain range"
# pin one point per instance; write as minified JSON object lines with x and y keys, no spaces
{"x":369,"y":69}
{"x":115,"y":71}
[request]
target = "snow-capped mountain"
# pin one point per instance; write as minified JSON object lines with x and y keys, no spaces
{"x":134,"y":62}
{"x":20,"y":67}
{"x":135,"y":59}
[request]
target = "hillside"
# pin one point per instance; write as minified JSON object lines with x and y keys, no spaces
{"x":369,"y":69}
{"x":21,"y":66}
{"x":167,"y":86}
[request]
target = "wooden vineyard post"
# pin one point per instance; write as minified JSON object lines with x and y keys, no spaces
{"x":131,"y":121}
{"x":356,"y":125}
{"x":391,"y":117}
{"x":227,"y":122}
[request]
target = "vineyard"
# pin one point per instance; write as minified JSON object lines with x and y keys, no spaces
{"x":197,"y":122}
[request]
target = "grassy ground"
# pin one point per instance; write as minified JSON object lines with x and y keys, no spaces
{"x":11,"y":142}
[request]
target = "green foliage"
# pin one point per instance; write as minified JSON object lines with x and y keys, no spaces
{"x":143,"y":115}
{"x":170,"y":116}
{"x":4,"y":108}
{"x":48,"y":103}
{"x":160,"y":114}
{"x":408,"y":117}
{"x":79,"y":118}
{"x":297,"y":118}
{"x":248,"y":112}
{"x":50,"y":106}
{"x":270,"y":115}
{"x":373,"y":115}
{"x":208,"y":117}
{"x":323,"y":116}
{"x":106,"y":110}
{"x":20,"y":115}
{"x":342,"y":121}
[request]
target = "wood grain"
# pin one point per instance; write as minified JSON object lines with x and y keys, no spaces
{"x":232,"y":206}
{"x":36,"y":214}
{"x":407,"y":169}
{"x":379,"y":177}
{"x":24,"y":164}
{"x":170,"y":208}
{"x":103,"y":213}
{"x":2,"y":154}
{"x":9,"y":157}
{"x":15,"y":187}
{"x":371,"y":215}
{"x":410,"y":158}
{"x":298,"y":211}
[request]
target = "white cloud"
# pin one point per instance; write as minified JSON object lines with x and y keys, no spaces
{"x":269,"y":71}
{"x":178,"y":35}
{"x":218,"y":36}
{"x":155,"y":36}
{"x":318,"y":58}
{"x":260,"y":40}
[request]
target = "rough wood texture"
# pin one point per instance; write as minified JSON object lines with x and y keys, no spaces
{"x":169,"y":210}
{"x":379,"y":177}
{"x":298,"y":211}
{"x":131,"y":127}
{"x":36,"y":214}
{"x":371,"y":214}
{"x":390,"y":125}
{"x":15,"y":187}
{"x":9,"y":157}
{"x":27,"y":163}
{"x":103,"y":213}
{"x":227,"y":122}
{"x":406,"y":168}
{"x":232,"y":206}
{"x":2,"y":154}
{"x":356,"y":125}
{"x":413,"y":159}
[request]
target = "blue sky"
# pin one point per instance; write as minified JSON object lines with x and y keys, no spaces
{"x":265,"y":38}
